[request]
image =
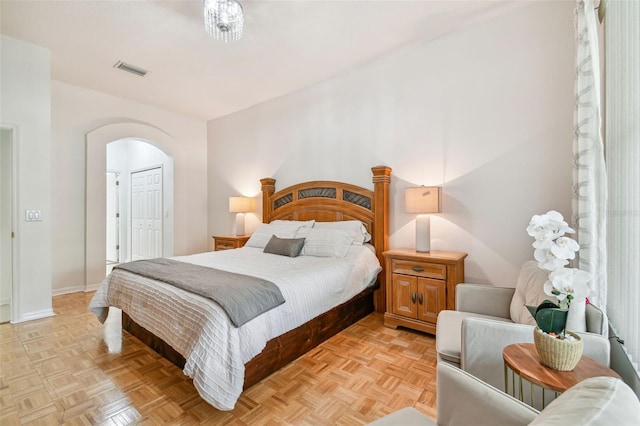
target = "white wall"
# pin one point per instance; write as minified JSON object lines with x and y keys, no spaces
{"x":77,"y":111}
{"x":485,"y":112}
{"x":25,"y":104}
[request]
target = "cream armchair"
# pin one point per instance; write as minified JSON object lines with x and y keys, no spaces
{"x":474,"y":335}
{"x":464,"y":400}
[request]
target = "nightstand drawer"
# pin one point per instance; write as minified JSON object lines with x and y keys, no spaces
{"x":229,"y":242}
{"x":419,"y":269}
{"x":224,"y":245}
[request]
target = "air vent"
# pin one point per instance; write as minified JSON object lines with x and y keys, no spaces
{"x":131,"y":68}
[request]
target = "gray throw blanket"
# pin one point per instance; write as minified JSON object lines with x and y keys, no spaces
{"x":243,"y":297}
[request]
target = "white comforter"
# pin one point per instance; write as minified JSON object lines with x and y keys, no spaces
{"x":199,"y":329}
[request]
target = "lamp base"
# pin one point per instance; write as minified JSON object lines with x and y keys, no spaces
{"x":239,"y":224}
{"x":423,"y":233}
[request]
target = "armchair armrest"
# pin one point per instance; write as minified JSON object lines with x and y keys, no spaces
{"x":457,"y":389}
{"x":596,"y":347}
{"x":597,"y":321}
{"x":484,"y":299}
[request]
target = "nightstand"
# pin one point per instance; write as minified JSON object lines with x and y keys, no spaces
{"x":420,"y":285}
{"x":228,"y":242}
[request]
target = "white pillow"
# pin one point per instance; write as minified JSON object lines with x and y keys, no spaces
{"x":355,"y":226}
{"x":529,"y":291}
{"x":325,"y":242}
{"x":265,"y":231}
{"x":305,"y":223}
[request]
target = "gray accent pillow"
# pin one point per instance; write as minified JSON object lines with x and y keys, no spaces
{"x":284,"y":246}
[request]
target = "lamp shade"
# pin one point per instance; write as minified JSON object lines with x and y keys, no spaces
{"x":423,"y":199}
{"x":239,"y":204}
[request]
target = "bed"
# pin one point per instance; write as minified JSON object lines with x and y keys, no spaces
{"x":221,"y":381}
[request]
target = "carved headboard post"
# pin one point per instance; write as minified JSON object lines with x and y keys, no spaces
{"x":268,"y":188}
{"x":381,"y":180}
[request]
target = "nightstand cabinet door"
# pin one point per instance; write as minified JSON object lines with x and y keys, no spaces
{"x":404,"y":295}
{"x":432,"y":298}
{"x":420,"y":285}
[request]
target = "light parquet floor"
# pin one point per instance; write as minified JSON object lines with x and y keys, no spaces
{"x":72,"y":370}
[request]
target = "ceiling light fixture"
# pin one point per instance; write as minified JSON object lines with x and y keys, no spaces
{"x":223,"y":19}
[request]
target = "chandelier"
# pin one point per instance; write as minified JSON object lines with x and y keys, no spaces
{"x":223,"y":19}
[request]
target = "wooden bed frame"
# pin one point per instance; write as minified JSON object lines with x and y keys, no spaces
{"x":324,"y":201}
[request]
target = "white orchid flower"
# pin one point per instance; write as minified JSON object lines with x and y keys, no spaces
{"x":565,"y":248}
{"x":549,"y":290}
{"x":542,"y":244}
{"x":556,"y":222}
{"x":548,"y":227}
{"x":547,"y":260}
{"x":536,"y":226}
{"x":570,"y":283}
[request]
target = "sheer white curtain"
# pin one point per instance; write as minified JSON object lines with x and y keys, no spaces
{"x":622,"y":77}
{"x":589,"y":173}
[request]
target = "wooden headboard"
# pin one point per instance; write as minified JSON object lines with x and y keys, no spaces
{"x":328,"y":201}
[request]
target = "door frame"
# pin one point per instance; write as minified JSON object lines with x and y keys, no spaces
{"x":117,"y":224}
{"x":15,"y":223}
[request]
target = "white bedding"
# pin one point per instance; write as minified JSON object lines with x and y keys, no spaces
{"x":198,"y":328}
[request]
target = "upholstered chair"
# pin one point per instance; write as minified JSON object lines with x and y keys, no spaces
{"x":465,"y":400}
{"x":488,"y":318}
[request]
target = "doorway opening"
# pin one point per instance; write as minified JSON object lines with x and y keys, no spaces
{"x":139,"y":201}
{"x":6,"y":223}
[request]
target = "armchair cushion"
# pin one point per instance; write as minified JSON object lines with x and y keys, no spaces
{"x":482,"y":343}
{"x":484,"y":299}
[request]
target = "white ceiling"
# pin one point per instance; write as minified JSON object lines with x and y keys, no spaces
{"x":287,"y":45}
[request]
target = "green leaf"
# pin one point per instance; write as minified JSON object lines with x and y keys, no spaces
{"x":552,"y":319}
{"x":533,"y":310}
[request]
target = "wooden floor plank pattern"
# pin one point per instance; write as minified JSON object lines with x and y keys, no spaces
{"x":72,"y":370}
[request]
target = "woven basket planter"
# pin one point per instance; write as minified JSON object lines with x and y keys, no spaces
{"x":561,"y":355}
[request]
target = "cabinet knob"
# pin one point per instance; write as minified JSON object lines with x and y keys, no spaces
{"x":420,"y":298}
{"x":418,"y":268}
{"x":413,"y":297}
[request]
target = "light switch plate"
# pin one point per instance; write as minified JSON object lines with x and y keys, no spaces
{"x":32,"y":216}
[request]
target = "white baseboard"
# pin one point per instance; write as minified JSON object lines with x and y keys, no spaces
{"x":76,"y":289}
{"x":30,"y":316}
{"x":67,"y":290}
{"x":92,"y":287}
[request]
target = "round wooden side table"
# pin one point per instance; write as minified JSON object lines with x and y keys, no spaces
{"x":523,"y":360}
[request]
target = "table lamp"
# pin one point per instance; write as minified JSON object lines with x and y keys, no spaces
{"x":240,"y":206}
{"x":423,"y":200}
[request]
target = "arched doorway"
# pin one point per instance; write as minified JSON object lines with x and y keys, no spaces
{"x":139,"y":201}
{"x":96,"y":189}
